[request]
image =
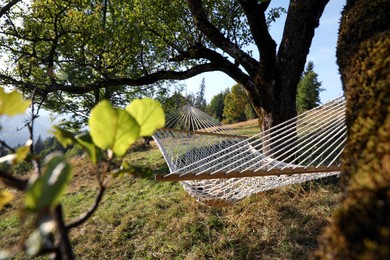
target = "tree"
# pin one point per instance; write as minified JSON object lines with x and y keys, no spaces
{"x":217,"y":106}
{"x":235,"y":104}
{"x":39,"y":146}
{"x":173,"y":102}
{"x":360,"y":228}
{"x":308,"y":93}
{"x":75,"y":52}
{"x":200,"y":101}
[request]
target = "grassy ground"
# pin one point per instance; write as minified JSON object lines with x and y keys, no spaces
{"x":143,"y":219}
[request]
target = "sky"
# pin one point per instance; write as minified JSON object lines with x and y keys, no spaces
{"x":322,"y":53}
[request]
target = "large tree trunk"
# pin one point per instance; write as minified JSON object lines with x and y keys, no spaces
{"x":278,"y":74}
{"x":360,"y":229}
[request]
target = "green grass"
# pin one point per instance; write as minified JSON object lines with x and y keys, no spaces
{"x":248,"y":128}
{"x":144,"y":219}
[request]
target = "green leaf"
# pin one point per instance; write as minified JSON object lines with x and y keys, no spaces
{"x":23,"y":151}
{"x":66,"y":138}
{"x":148,"y":113}
{"x":5,"y":198}
{"x":113,"y":129}
{"x":45,"y":191}
{"x":136,"y":171}
{"x":85,"y":141}
{"x":12,"y":103}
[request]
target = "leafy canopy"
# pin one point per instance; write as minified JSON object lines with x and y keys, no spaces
{"x":78,"y":52}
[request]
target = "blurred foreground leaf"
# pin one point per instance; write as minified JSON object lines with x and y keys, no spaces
{"x":148,"y":113}
{"x":45,"y":191}
{"x":85,"y":141}
{"x":5,"y":198}
{"x":65,"y":137}
{"x":12,"y":103}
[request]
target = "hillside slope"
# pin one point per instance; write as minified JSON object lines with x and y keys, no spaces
{"x":145,"y":219}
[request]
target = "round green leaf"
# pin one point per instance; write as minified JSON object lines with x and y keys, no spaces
{"x":148,"y":113}
{"x":12,"y":103}
{"x":112,"y":128}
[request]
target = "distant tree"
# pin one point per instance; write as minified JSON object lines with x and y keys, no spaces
{"x":173,"y":102}
{"x":249,"y":112}
{"x":51,"y":144}
{"x":216,"y":106}
{"x":309,"y":88}
{"x":190,"y":98}
{"x":200,"y":101}
{"x":39,"y":146}
{"x":3,"y":150}
{"x":235,"y":102}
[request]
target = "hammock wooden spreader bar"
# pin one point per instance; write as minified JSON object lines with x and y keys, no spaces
{"x":237,"y":174}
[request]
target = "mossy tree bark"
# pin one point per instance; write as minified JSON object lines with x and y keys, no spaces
{"x":360,"y":229}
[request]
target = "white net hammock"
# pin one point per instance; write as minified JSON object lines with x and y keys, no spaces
{"x":217,"y":166}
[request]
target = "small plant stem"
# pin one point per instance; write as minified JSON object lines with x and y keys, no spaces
{"x":90,"y":212}
{"x":66,"y":252}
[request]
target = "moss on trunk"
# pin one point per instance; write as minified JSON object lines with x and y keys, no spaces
{"x":360,"y":229}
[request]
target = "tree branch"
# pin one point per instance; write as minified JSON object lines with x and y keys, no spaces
{"x":258,"y":26}
{"x":302,"y":19}
{"x":217,"y":38}
{"x":64,"y":243}
{"x":3,"y":143}
{"x":221,"y":63}
{"x":8,"y":6}
{"x":110,"y":82}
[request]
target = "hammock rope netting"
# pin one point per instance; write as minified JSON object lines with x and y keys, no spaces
{"x":216,"y":165}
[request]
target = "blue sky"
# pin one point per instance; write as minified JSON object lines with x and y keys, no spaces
{"x":322,"y":53}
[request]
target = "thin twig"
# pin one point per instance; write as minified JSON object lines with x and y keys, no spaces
{"x":3,"y":143}
{"x":90,"y":212}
